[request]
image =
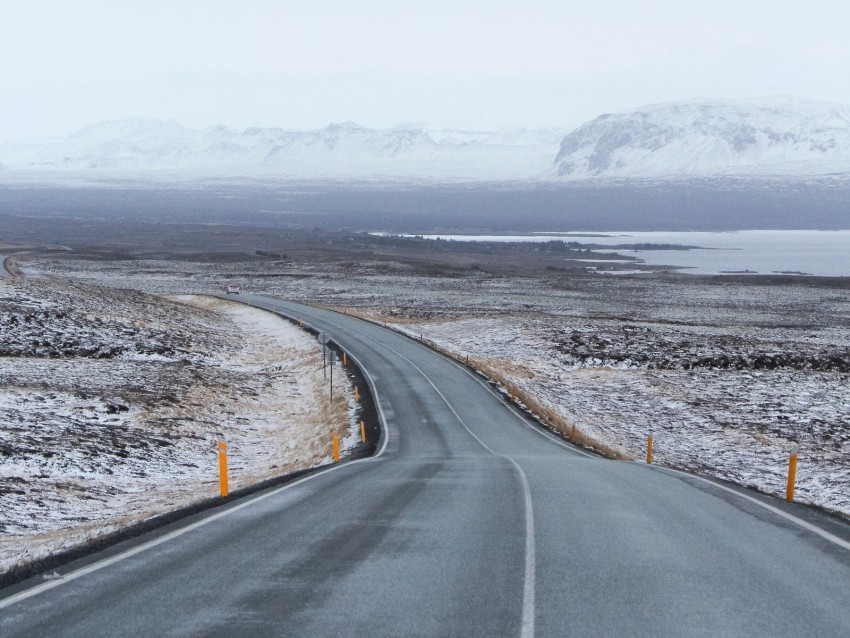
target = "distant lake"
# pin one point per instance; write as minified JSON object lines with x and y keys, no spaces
{"x":815,"y":252}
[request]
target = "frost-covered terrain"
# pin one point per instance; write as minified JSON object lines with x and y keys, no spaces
{"x":729,"y":373}
{"x":781,"y":136}
{"x":111,"y":402}
{"x":339,"y":150}
{"x":729,"y":402}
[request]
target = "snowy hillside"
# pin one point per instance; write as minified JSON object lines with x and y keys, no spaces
{"x":111,"y":402}
{"x":339,"y":150}
{"x":763,"y":137}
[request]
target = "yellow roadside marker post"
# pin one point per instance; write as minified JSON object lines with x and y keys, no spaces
{"x":356,"y":394}
{"x":344,"y":359}
{"x":792,"y":476}
{"x":649,"y":449}
{"x":363,"y":431}
{"x":222,"y":467}
{"x":336,"y":447}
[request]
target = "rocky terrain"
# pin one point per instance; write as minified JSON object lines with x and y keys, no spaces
{"x":730,"y":373}
{"x":112,"y":400}
{"x":731,"y":402}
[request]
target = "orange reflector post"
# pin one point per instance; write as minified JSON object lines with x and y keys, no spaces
{"x":222,"y":468}
{"x":792,"y":476}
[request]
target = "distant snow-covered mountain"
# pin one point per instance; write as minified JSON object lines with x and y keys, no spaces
{"x":711,"y":137}
{"x":340,"y":150}
{"x":700,"y":138}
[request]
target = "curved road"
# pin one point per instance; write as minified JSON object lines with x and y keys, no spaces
{"x":469,"y":522}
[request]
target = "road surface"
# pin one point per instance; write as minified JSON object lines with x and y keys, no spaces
{"x":3,"y":271}
{"x":470,"y":521}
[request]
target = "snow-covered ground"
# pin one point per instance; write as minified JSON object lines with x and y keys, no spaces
{"x":731,"y":403}
{"x":728,"y":373}
{"x":111,"y":403}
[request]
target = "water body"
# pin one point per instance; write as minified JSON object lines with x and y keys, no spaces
{"x":815,"y":252}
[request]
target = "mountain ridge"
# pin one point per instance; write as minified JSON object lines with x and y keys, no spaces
{"x":777,"y":135}
{"x":340,"y":149}
{"x":766,"y":137}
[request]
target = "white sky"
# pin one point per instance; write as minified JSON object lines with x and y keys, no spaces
{"x":481,"y":64}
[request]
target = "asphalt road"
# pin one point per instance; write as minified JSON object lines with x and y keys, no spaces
{"x":470,"y":521}
{"x":3,"y":271}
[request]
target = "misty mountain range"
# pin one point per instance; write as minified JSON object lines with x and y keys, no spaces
{"x":776,"y":136}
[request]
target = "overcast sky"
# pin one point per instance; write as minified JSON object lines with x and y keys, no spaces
{"x":481,"y":64}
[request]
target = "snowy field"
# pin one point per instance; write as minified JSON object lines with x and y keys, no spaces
{"x":728,"y":374}
{"x":111,"y":403}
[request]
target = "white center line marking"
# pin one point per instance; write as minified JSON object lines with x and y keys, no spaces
{"x":527,"y":622}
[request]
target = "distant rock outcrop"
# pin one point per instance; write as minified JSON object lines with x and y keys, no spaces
{"x":711,"y":137}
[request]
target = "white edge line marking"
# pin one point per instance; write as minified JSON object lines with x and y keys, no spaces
{"x":775,"y":510}
{"x":83,"y":571}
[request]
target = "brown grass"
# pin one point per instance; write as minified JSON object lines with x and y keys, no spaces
{"x":542,"y":413}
